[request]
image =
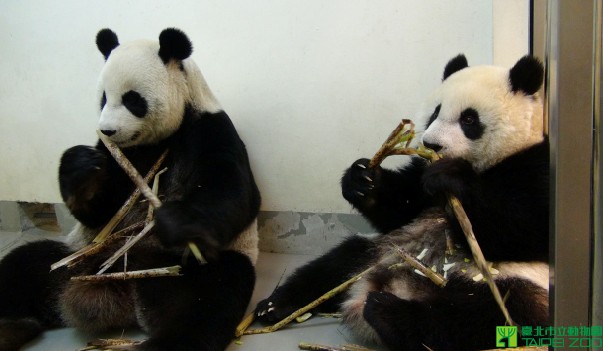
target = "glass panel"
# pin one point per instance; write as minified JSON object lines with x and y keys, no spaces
{"x":598,"y":171}
{"x":569,"y":60}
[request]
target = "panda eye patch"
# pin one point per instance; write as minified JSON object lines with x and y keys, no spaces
{"x":469,"y":117}
{"x":471,"y":125}
{"x":103,"y":100}
{"x":135,"y":103}
{"x":434,"y":115}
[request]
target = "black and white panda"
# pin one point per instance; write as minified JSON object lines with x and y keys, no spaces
{"x":487,"y":123}
{"x":152,"y":97}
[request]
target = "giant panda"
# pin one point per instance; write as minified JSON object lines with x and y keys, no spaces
{"x":487,"y":124}
{"x":152,"y":97}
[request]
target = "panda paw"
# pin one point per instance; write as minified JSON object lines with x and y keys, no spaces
{"x":452,"y":176}
{"x":360,"y":183}
{"x":274,"y":309}
{"x":175,"y":225}
{"x":81,"y":171}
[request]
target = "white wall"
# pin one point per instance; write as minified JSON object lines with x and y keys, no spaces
{"x":311,"y":85}
{"x":510,"y":24}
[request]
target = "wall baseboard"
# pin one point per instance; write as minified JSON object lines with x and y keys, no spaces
{"x":280,"y":231}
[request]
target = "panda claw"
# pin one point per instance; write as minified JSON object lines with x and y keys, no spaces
{"x":369,"y":179}
{"x":360,"y":165}
{"x":359,"y":193}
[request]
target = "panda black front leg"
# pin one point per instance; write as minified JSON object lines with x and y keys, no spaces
{"x":359,"y":182}
{"x":177,"y":223}
{"x":81,"y":170}
{"x":83,"y":174}
{"x":387,"y":198}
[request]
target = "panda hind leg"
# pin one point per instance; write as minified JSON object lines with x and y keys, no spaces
{"x":199,"y":310}
{"x":394,"y":320}
{"x":463,"y":316}
{"x":28,"y":292}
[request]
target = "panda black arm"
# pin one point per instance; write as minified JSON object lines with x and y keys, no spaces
{"x":223,"y":198}
{"x":92,"y":185}
{"x":387,"y":199}
{"x":507,"y":204}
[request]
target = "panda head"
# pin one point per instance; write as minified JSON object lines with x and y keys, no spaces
{"x":145,"y":87}
{"x":484,"y":114}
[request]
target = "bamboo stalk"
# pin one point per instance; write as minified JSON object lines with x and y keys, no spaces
{"x":310,"y":306}
{"x":330,"y":315}
{"x":196,"y":252}
{"x":93,"y":248}
{"x":478,"y":256}
{"x":111,"y":260}
{"x":125,"y":208}
{"x":145,"y":273}
{"x":125,"y":164}
{"x":435,"y":277}
{"x":155,"y":190}
{"x":397,"y":136}
{"x":109,"y":344}
{"x":245,"y":323}
{"x":318,"y":347}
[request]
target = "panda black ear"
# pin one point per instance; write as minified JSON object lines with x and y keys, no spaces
{"x":106,"y":41}
{"x":174,"y":44}
{"x":455,"y":64}
{"x":526,"y":75}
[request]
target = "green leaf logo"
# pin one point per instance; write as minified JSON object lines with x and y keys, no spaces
{"x":506,"y":337}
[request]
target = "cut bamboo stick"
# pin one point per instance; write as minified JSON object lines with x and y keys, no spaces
{"x":144,"y":188}
{"x":245,"y":323}
{"x":318,"y":347}
{"x":478,"y":256}
{"x":146,"y":273}
{"x":125,"y":164}
{"x":401,"y":134}
{"x":114,"y":221}
{"x":93,"y":248}
{"x":122,"y":250}
{"x":435,"y":277}
{"x":310,"y":306}
{"x":155,"y":190}
{"x":110,"y":344}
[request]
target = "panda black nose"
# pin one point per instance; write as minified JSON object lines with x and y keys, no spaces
{"x":108,"y":132}
{"x":434,"y":147}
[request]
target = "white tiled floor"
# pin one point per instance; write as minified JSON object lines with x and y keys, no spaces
{"x":270,"y":269}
